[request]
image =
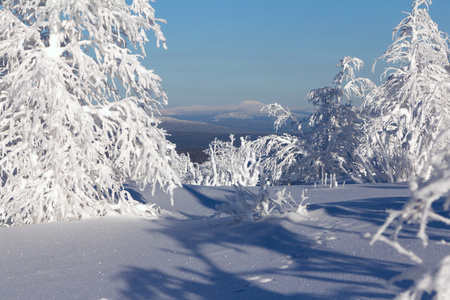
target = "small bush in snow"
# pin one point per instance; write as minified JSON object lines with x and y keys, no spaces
{"x":227,"y":165}
{"x":246,"y":206}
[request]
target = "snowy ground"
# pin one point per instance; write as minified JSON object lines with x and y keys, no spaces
{"x":190,"y":255}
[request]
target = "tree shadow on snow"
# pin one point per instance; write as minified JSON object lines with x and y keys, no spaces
{"x":384,"y":186}
{"x":135,"y":194}
{"x":374,"y":211}
{"x":202,"y":198}
{"x":353,"y":277}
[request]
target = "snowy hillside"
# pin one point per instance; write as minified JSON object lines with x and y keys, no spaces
{"x":189,"y":254}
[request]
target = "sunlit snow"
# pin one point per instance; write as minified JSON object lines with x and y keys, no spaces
{"x":189,"y":254}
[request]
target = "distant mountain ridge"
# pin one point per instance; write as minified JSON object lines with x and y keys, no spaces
{"x":244,"y":117}
{"x":248,"y":109}
{"x":193,"y":128}
{"x":175,"y":125}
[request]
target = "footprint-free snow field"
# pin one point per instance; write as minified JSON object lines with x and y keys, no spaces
{"x":191,"y":253}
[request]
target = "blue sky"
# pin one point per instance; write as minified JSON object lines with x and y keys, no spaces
{"x":270,"y":50}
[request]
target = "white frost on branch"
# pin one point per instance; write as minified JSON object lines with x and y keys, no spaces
{"x":431,"y":280}
{"x":283,"y":114}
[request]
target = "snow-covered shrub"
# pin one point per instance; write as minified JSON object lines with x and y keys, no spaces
{"x":76,"y":110}
{"x":411,"y":106}
{"x":277,"y":156}
{"x":233,"y":165}
{"x":335,"y":127}
{"x":227,"y":165}
{"x":419,"y":210}
{"x":246,"y":206}
{"x":188,"y":171}
{"x":281,"y":158}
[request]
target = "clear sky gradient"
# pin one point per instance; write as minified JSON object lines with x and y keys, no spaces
{"x":270,"y":50}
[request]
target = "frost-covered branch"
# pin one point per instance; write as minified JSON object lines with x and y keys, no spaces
{"x":283,"y":114}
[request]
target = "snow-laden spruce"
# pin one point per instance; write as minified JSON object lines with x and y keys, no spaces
{"x":412,"y":105}
{"x":335,"y":128}
{"x":76,"y":110}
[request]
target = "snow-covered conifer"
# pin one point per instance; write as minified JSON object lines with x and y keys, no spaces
{"x":335,"y":126}
{"x":412,"y":105}
{"x":76,"y":110}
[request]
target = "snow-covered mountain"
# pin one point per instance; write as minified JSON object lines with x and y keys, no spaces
{"x":244,"y":117}
{"x":193,"y":136}
{"x":176,"y":125}
{"x":193,"y":128}
{"x":245,"y":109}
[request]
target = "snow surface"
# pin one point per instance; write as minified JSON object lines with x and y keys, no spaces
{"x":188,"y":254}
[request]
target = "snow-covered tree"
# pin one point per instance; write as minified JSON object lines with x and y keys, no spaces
{"x":76,"y":110}
{"x":281,"y":158}
{"x":334,"y":127}
{"x":410,"y":109}
{"x":412,"y":105}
